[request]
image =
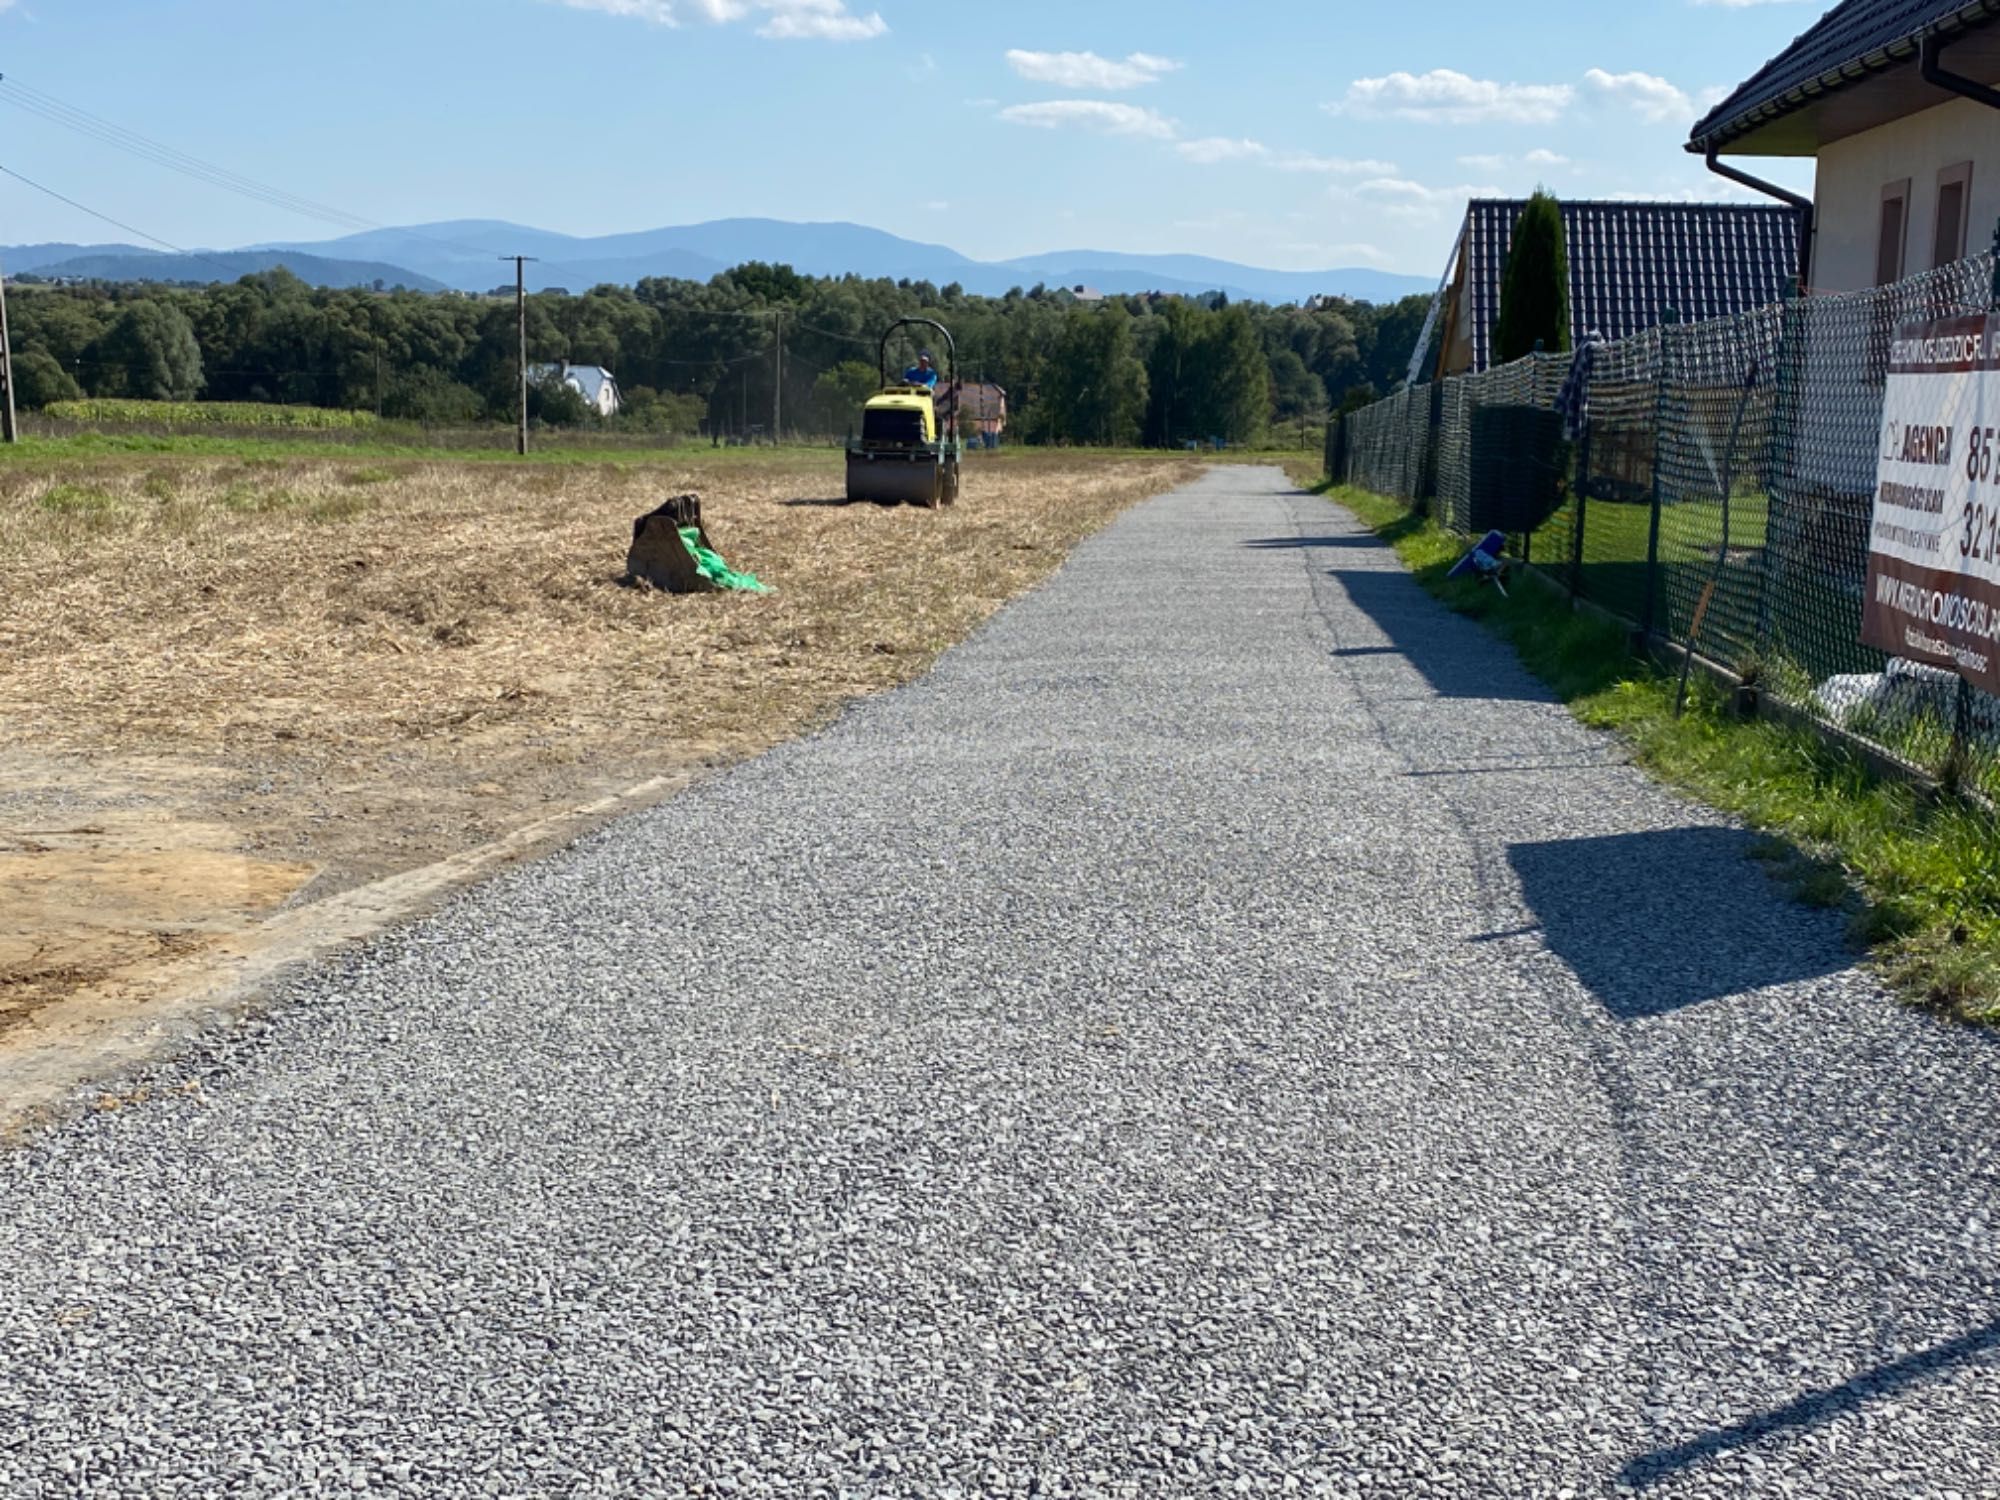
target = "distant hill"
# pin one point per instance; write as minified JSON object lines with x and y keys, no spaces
{"x":466,"y":254}
{"x":127,"y":263}
{"x":28,"y":260}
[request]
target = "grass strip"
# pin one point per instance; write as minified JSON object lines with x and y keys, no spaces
{"x":1919,"y":875}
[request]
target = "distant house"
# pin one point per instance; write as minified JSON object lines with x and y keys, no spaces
{"x":1079,"y":293}
{"x":982,"y":410}
{"x":597,"y":385}
{"x":1628,"y":264}
{"x":1890,"y":98}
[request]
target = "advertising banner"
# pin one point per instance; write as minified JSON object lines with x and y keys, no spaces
{"x":1933,"y":592}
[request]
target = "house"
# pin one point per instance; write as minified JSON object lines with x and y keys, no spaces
{"x":982,"y":412}
{"x":597,"y":385}
{"x":1088,"y":296}
{"x":1628,"y":264}
{"x":1890,"y":100}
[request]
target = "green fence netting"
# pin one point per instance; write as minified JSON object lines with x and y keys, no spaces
{"x":1731,"y":462}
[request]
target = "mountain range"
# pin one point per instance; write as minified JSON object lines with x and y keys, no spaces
{"x":131,"y":263}
{"x":466,"y":255}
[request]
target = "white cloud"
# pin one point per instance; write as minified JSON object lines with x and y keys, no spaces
{"x":1444,"y":97}
{"x":1495,"y":162}
{"x":1335,"y":166}
{"x":783,"y":20}
{"x":1401,"y":198}
{"x":1651,"y":96}
{"x":1219,"y":148}
{"x":1092,"y":114}
{"x":1210,"y":149}
{"x":1086,"y":70}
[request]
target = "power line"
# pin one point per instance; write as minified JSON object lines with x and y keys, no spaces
{"x":83,"y":122}
{"x":116,"y":223}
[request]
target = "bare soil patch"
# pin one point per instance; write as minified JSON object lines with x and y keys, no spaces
{"x":232,"y":687}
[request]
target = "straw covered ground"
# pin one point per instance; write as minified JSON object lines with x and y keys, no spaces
{"x":233,"y":684}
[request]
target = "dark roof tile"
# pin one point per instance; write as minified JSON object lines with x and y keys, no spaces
{"x":1630,"y":262}
{"x":1834,"y":48}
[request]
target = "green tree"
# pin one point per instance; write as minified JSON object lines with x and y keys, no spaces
{"x":838,"y":394}
{"x":647,"y":410}
{"x":1172,"y":369}
{"x":554,"y":402}
{"x":39,"y":380}
{"x":150,"y":353}
{"x":1235,"y":380}
{"x":432,"y":397}
{"x":1534,"y":289}
{"x":1094,"y":390}
{"x":1294,"y":388}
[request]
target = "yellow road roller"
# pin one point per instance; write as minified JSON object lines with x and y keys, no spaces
{"x":909,"y":450}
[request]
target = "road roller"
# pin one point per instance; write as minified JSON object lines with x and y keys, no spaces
{"x":909,"y":449}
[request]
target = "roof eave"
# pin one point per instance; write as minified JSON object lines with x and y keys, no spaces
{"x":1969,"y":18}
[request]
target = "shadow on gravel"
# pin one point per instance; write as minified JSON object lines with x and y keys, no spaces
{"x":1813,"y":1409}
{"x":1361,"y":539}
{"x":1654,"y":922}
{"x":1457,"y":660}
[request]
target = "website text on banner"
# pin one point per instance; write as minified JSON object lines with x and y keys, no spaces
{"x":1934,"y":538}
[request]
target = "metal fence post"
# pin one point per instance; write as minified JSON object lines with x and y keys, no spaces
{"x":1582,"y":498}
{"x":1781,"y":444}
{"x":1646,"y":614}
{"x":1427,"y":500}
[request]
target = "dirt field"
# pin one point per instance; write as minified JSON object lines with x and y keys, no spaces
{"x":231,"y":688}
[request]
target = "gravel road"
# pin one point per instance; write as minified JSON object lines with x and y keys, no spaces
{"x":1223,"y":1032}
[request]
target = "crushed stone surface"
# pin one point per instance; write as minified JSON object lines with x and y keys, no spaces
{"x":1226,"y":1031}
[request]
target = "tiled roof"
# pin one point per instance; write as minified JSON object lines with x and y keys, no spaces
{"x":1629,"y":262}
{"x":1855,"y":38}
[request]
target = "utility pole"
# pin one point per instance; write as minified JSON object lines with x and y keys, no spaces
{"x":8,"y":434}
{"x":521,"y":319}
{"x":777,"y":379}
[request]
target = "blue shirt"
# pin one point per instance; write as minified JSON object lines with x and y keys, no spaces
{"x":918,"y":375}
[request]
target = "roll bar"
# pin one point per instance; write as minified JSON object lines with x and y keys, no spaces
{"x":951,"y":354}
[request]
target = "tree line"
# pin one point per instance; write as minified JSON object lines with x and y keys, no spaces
{"x":1159,"y":370}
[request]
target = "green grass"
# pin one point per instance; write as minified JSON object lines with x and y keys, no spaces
{"x":251,"y":498}
{"x":388,"y":442}
{"x":210,"y":414}
{"x":40,"y":452}
{"x":1919,"y":875}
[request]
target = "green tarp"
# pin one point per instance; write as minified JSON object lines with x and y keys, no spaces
{"x":711,"y":566}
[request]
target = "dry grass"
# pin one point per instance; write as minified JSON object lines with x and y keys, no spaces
{"x":230,"y":606}
{"x":237,"y":683}
{"x":357,"y":668}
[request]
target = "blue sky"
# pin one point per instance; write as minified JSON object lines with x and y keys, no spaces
{"x":1297,"y":135}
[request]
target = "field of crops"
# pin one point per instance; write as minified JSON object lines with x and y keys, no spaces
{"x":202,"y":414}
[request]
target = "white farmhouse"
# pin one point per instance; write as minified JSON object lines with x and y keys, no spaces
{"x":597,"y":385}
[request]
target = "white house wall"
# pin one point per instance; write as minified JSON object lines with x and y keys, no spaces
{"x":1853,"y":172}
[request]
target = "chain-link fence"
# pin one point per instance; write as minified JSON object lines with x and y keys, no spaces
{"x":1718,"y":497}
